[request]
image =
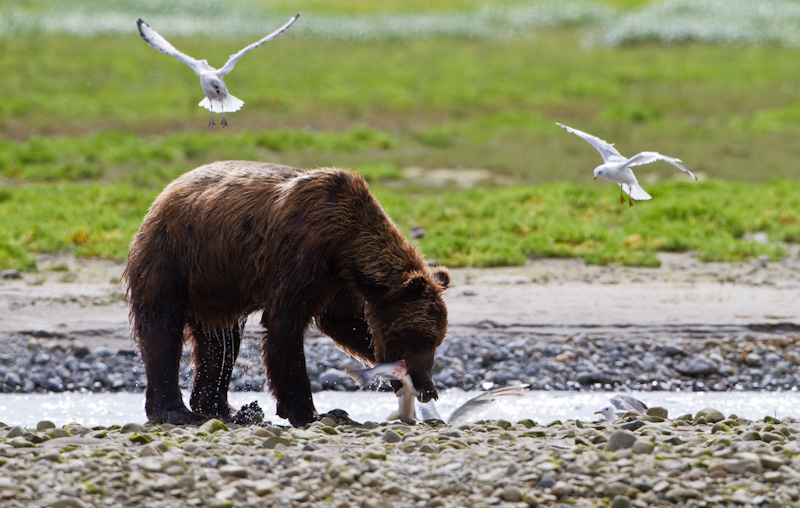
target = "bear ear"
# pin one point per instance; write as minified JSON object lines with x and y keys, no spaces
{"x":415,"y":285}
{"x":441,"y":275}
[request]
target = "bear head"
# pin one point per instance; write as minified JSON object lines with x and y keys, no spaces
{"x":413,"y":325}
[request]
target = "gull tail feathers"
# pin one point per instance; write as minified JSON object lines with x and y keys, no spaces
{"x":229,"y":104}
{"x":635,"y":191}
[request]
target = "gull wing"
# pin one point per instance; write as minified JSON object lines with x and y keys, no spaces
{"x":648,"y":157}
{"x":625,"y":402}
{"x":480,"y":402}
{"x":159,"y":43}
{"x":228,"y":67}
{"x":607,"y":150}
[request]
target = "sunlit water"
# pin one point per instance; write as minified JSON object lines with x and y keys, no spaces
{"x":104,"y":409}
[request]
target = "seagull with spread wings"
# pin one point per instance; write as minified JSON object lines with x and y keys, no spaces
{"x":622,"y":404}
{"x":217,"y":100}
{"x":617,"y":169}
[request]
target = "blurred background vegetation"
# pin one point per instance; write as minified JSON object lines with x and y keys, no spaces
{"x":447,"y":107}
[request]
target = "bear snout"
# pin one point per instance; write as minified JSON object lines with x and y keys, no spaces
{"x":419,"y":368}
{"x":428,"y":395}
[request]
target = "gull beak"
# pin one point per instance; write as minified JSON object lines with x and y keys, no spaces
{"x":598,"y":413}
{"x":594,"y":178}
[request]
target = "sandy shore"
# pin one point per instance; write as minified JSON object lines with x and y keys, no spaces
{"x":87,"y":302}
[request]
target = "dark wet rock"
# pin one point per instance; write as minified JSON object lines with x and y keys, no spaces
{"x":634,"y":425}
{"x":10,"y":275}
{"x":696,"y":367}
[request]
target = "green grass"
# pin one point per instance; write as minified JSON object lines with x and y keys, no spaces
{"x":97,"y":125}
{"x":479,"y":227}
{"x":511,"y":225}
{"x":88,"y":220}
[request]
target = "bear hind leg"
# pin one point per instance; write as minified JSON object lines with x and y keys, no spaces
{"x":161,"y":349}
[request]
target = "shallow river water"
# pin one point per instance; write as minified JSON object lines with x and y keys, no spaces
{"x":106,"y":409}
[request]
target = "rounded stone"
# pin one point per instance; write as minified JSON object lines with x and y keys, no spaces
{"x":391,"y":436}
{"x":710,"y":415}
{"x":658,"y":412}
{"x":620,"y":439}
{"x":511,"y":495}
{"x":643,"y":446}
{"x":620,"y":502}
{"x":45,"y":425}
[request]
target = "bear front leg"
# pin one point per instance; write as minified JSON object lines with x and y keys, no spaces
{"x":285,"y":365}
{"x":213,"y":356}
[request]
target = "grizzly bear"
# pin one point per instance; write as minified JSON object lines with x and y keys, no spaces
{"x":231,"y":238}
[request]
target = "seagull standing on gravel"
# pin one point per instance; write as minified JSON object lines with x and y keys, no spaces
{"x":217,"y":100}
{"x":622,"y":404}
{"x":617,"y":169}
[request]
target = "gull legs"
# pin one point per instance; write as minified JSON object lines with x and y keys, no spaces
{"x":622,"y":198}
{"x":222,"y":122}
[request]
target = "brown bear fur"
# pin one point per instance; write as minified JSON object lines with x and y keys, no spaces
{"x":231,"y":238}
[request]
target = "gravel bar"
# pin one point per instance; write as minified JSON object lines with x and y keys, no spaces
{"x":700,"y":460}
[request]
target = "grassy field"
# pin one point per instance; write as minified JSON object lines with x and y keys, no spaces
{"x":98,"y":122}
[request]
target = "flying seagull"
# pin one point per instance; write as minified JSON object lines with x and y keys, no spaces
{"x":617,"y":169}
{"x":217,"y":100}
{"x":474,"y":405}
{"x":622,"y":404}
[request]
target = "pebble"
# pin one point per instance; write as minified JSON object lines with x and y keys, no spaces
{"x":621,"y":439}
{"x":709,"y":415}
{"x":391,"y":436}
